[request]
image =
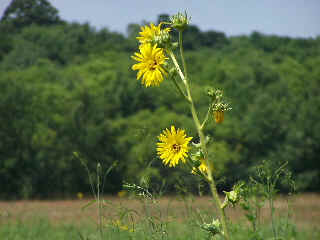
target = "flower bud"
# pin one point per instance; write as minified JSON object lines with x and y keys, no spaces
{"x":218,"y":116}
{"x":219,"y":106}
{"x":214,"y":227}
{"x":180,"y":21}
{"x":233,"y":196}
{"x":162,"y":39}
{"x":210,"y":92}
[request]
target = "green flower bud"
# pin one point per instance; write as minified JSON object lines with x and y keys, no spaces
{"x":180,"y":21}
{"x":214,"y":227}
{"x":233,"y":196}
{"x":219,"y":106}
{"x":210,"y":92}
{"x":162,"y":39}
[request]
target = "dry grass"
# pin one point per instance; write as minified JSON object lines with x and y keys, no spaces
{"x":304,"y":209}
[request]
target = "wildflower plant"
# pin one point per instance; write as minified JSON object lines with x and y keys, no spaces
{"x":156,"y":62}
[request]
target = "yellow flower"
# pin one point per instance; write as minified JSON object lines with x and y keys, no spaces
{"x":122,"y":193}
{"x":173,"y":146}
{"x":148,"y":34}
{"x":121,"y":226}
{"x":151,"y":58}
{"x":80,"y":195}
{"x":203,"y":166}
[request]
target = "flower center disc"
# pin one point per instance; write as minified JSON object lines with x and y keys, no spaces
{"x":176,"y":147}
{"x":153,"y":65}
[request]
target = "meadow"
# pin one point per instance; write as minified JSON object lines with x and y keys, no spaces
{"x":173,"y":217}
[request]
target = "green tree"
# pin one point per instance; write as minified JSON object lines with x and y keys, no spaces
{"x":163,"y":18}
{"x":21,"y":13}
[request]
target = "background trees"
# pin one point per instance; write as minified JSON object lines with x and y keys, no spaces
{"x":22,"y":13}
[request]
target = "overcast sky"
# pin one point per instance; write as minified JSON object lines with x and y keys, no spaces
{"x":296,"y":18}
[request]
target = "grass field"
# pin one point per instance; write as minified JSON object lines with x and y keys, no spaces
{"x":125,"y":218}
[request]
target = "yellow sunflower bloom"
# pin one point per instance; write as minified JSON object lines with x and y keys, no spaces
{"x":151,"y":58}
{"x":203,"y":167}
{"x":148,"y":34}
{"x":173,"y":146}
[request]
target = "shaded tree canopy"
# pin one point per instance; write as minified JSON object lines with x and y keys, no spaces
{"x":70,"y":88}
{"x":163,"y":18}
{"x":21,"y":13}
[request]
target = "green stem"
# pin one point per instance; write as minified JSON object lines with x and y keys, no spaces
{"x":174,"y":60}
{"x":203,"y":145}
{"x":210,"y":176}
{"x":207,"y":117}
{"x":179,"y":87}
{"x":182,"y":56}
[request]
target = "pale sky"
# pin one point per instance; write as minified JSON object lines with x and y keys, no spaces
{"x":295,"y":18}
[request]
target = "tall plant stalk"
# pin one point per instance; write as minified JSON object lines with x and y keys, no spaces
{"x":200,"y":132}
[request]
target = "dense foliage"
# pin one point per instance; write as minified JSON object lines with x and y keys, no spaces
{"x":66,"y":87}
